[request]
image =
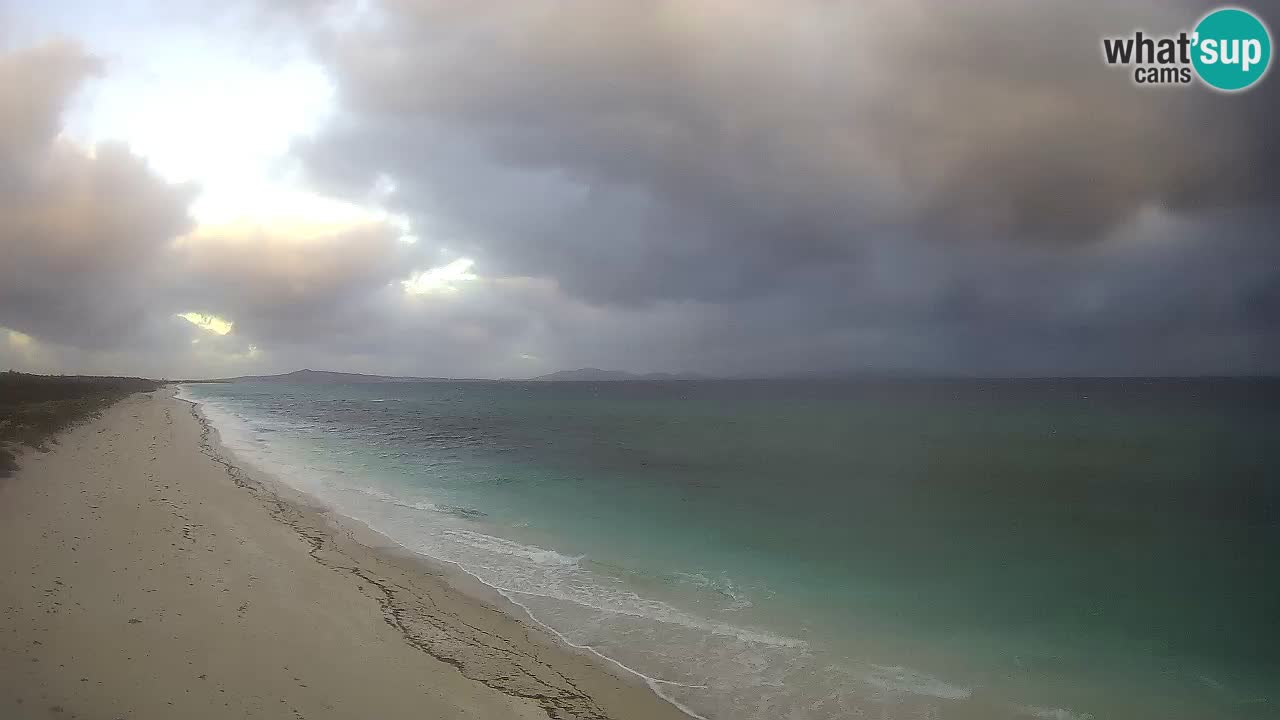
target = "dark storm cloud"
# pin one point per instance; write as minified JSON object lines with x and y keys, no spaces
{"x":816,"y":184}
{"x":640,"y":151}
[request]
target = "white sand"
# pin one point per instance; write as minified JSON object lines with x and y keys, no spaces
{"x":144,"y":576}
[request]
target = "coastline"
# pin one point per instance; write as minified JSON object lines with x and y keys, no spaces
{"x":428,"y":639}
{"x":356,"y":450}
{"x":890,"y":690}
{"x":456,"y":578}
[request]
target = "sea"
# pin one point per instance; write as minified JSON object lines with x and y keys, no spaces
{"x":1065,"y":549}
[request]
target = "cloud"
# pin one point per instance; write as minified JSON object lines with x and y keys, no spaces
{"x":727,"y":187}
{"x":637,"y":151}
{"x":101,"y":258}
{"x":80,"y":226}
{"x":102,"y":262}
{"x":443,"y":279}
{"x":34,"y":85}
{"x":289,"y":282}
{"x":836,"y":184}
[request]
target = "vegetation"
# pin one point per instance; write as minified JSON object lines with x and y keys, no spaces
{"x":35,"y":408}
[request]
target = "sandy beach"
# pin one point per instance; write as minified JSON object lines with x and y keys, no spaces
{"x":147,"y":575}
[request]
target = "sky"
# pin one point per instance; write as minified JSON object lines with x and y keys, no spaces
{"x":192,"y":188}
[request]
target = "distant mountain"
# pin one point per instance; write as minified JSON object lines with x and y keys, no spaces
{"x":598,"y":375}
{"x":308,"y":376}
{"x":325,"y":377}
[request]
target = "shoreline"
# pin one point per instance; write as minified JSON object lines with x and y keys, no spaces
{"x":877,"y":683}
{"x":140,"y":543}
{"x":454,"y":575}
{"x":890,"y":696}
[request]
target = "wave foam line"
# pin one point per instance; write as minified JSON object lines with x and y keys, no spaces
{"x":654,"y":684}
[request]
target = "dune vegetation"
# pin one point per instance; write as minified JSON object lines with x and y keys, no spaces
{"x":35,"y":408}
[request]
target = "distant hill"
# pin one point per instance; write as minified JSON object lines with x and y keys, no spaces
{"x":321,"y":377}
{"x":325,"y":377}
{"x":598,"y":375}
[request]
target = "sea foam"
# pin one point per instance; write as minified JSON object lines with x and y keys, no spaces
{"x":900,"y":679}
{"x":1048,"y":713}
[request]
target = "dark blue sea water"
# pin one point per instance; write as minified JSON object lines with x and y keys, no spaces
{"x":1050,"y":549}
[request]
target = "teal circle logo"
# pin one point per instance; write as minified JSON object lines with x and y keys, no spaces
{"x":1232,"y":49}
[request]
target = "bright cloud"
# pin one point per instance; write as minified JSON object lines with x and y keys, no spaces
{"x":19,"y":340}
{"x":212,"y":323}
{"x":443,"y":279}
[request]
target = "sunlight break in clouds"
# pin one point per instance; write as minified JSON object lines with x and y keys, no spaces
{"x":212,"y":323}
{"x":19,"y":340}
{"x":441,"y":279}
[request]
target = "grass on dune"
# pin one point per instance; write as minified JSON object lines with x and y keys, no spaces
{"x":35,"y":408}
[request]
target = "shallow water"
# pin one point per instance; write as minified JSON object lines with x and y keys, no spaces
{"x":804,"y":549}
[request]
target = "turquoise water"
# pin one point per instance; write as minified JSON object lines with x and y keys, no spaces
{"x":806,"y":549}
